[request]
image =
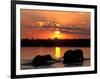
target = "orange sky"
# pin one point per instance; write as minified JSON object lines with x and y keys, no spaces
{"x":42,"y":24}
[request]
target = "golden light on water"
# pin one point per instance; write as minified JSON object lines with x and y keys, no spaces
{"x":57,"y":53}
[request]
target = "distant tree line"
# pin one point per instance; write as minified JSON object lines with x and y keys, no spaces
{"x":55,"y":42}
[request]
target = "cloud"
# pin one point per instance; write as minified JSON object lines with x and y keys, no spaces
{"x":67,"y":22}
{"x":63,"y":29}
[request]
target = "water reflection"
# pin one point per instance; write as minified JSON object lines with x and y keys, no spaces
{"x":57,"y":53}
{"x":29,"y":53}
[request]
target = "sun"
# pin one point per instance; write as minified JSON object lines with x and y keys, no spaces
{"x":57,"y":32}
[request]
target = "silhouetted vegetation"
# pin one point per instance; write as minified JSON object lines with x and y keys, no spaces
{"x":55,"y":42}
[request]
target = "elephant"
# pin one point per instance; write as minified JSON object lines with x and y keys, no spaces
{"x":42,"y":60}
{"x":73,"y":56}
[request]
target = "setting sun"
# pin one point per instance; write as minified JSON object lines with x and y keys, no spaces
{"x":57,"y":32}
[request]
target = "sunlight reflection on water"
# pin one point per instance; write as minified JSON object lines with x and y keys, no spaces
{"x":28,"y":53}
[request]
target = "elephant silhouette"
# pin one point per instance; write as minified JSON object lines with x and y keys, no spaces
{"x":42,"y":60}
{"x":73,"y":56}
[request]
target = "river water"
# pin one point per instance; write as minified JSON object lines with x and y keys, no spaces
{"x":28,"y":53}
